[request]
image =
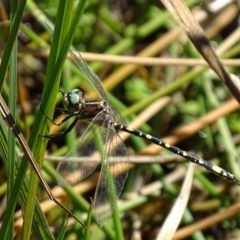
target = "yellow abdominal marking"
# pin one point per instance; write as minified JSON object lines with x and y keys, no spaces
{"x":130,"y":129}
{"x":167,"y":145}
{"x":148,"y":136}
{"x":200,"y":161}
{"x":209,"y":166}
{"x":219,"y":170}
{"x":184,"y":154}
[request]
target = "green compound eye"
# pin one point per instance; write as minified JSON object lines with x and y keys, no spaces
{"x":74,"y":97}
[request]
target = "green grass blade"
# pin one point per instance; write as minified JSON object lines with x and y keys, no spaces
{"x":63,"y":228}
{"x":89,"y":219}
{"x":11,"y":40}
{"x":56,"y":60}
{"x":40,"y":226}
{"x":12,"y":107}
{"x":53,"y":56}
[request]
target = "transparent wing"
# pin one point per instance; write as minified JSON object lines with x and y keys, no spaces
{"x":91,"y":76}
{"x":81,"y":161}
{"x":112,"y":177}
{"x":96,"y":83}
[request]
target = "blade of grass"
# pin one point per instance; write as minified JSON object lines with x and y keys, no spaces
{"x":87,"y":232}
{"x":117,"y":223}
{"x":39,"y":226}
{"x":3,"y":68}
{"x":197,"y":36}
{"x":41,"y":17}
{"x":71,"y":136}
{"x":11,"y":39}
{"x":63,"y":228}
{"x":11,"y":137}
{"x":172,"y":222}
{"x":51,"y":84}
{"x":12,"y":107}
{"x":63,"y":6}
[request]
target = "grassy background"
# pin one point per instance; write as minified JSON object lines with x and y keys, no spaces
{"x":189,"y":93}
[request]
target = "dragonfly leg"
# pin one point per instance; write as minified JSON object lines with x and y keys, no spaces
{"x":64,"y":133}
{"x":60,"y":110}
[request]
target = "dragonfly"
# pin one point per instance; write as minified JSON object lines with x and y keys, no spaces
{"x":104,"y":119}
{"x":8,"y":118}
{"x":100,"y":143}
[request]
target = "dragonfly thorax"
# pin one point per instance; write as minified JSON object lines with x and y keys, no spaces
{"x":73,"y":100}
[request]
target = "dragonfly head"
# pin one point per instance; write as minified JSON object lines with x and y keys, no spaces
{"x":73,"y":100}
